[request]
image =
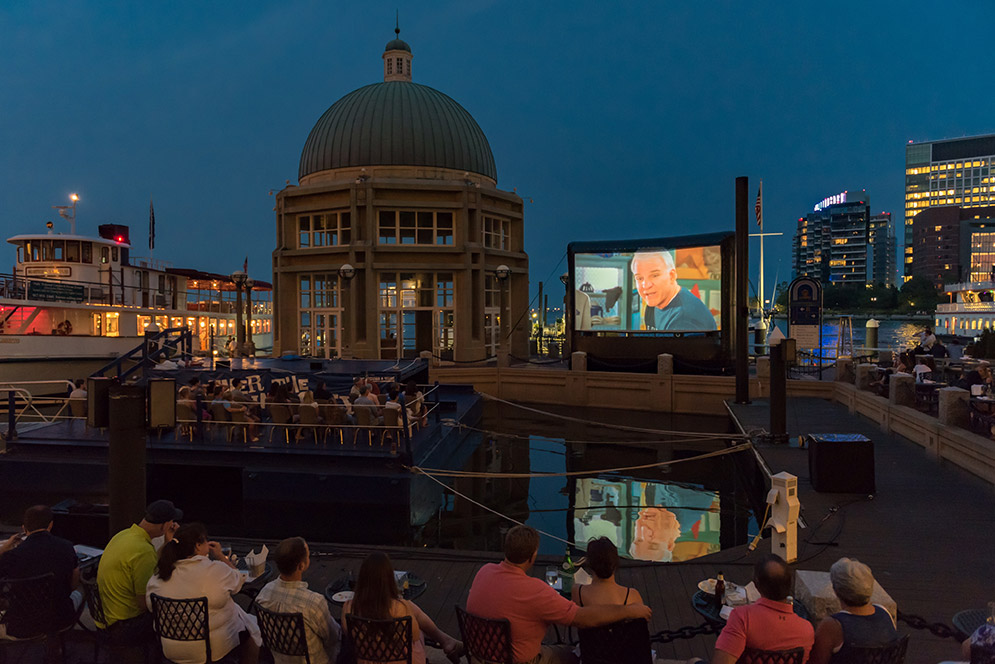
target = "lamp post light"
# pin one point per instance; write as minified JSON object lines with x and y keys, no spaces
{"x":250,"y":346}
{"x":68,"y":212}
{"x":502,"y":272}
{"x":238,"y":278}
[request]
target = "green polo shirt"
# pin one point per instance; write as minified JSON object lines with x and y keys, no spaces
{"x":125,"y":568}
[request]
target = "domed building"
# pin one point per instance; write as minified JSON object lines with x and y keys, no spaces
{"x":396,"y":238}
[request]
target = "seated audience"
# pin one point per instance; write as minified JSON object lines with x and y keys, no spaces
{"x":322,"y":394}
{"x":290,"y":594}
{"x":982,"y":375}
{"x":768,"y":624}
{"x":602,"y":560}
{"x":368,"y":402}
{"x":79,"y":391}
{"x":414,"y":400}
{"x":186,"y":571}
{"x":377,"y":598}
{"x":858,"y":623}
{"x":34,"y":552}
{"x":505,"y":590}
{"x":126,"y":566}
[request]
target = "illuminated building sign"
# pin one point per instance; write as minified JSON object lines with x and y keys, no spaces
{"x":832,"y":200}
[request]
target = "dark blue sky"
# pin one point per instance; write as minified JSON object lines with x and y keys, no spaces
{"x":616,"y":119}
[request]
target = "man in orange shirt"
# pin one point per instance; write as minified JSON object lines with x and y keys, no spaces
{"x":505,"y":590}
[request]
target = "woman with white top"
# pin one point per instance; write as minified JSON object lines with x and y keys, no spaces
{"x":186,"y":571}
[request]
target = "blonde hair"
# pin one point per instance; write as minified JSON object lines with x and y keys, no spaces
{"x":308,"y":397}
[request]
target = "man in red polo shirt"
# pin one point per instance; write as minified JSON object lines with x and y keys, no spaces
{"x":505,"y":590}
{"x":770,"y":623}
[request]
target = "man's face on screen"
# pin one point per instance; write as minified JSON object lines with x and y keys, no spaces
{"x":656,"y":282}
{"x":656,"y":531}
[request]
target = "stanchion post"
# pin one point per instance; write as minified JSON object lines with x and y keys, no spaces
{"x":126,"y":455}
{"x":778,"y":395}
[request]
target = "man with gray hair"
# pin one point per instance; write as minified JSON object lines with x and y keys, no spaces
{"x":666,"y":304}
{"x":858,"y":623}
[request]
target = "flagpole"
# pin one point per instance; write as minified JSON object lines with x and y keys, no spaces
{"x":763,"y":313}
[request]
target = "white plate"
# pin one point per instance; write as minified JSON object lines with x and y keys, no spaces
{"x":343,"y":596}
{"x":732,"y":590}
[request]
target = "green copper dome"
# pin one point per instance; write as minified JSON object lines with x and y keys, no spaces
{"x":397,"y":123}
{"x":397,"y":45}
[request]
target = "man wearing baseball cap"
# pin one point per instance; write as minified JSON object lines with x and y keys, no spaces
{"x":126,"y":566}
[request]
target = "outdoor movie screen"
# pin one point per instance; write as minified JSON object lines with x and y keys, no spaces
{"x":658,"y":521}
{"x":673,"y":290}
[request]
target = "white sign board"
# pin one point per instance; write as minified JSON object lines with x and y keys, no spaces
{"x":806,"y":336}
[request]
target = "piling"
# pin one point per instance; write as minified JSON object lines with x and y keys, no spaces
{"x":126,"y":455}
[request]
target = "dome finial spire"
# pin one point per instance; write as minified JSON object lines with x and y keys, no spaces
{"x":397,"y":55}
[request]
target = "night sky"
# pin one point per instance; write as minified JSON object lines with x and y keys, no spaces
{"x":613,"y":120}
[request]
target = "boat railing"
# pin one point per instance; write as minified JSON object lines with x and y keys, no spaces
{"x":21,"y":402}
{"x":73,"y":291}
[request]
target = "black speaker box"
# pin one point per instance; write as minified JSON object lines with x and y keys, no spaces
{"x":841,"y":463}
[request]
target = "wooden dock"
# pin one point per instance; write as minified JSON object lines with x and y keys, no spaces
{"x":928,"y":535}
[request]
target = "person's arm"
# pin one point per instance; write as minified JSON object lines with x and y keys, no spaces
{"x":575,"y":594}
{"x":732,"y":640}
{"x":965,"y":649}
{"x":594,"y":616}
{"x":722,"y":657}
{"x":428,"y":626}
{"x":828,"y":637}
{"x":143,"y":568}
{"x":74,"y":579}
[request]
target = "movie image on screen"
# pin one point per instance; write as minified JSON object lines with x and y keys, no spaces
{"x":673,"y":290}
{"x":654,"y":521}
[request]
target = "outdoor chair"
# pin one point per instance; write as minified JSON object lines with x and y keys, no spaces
{"x":283,"y":633}
{"x":182,"y":620}
{"x":624,"y":641}
{"x":220,"y":420}
{"x":239,"y":425}
{"x":753,"y":656}
{"x":282,"y":418}
{"x":185,"y":428}
{"x":335,"y":418}
{"x":91,"y":598}
{"x":392,"y":426}
{"x":309,"y":423}
{"x":27,"y":612}
{"x":486,"y":640}
{"x":379,"y":640}
{"x":366,"y":419}
{"x":890,"y":653}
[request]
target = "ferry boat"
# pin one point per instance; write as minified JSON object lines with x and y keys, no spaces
{"x":970,"y":311}
{"x":74,"y":302}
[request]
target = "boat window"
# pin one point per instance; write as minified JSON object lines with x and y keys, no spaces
{"x":162,"y":284}
{"x":33,"y":247}
{"x":46,"y":250}
{"x":20,"y":253}
{"x":104,"y":254}
{"x":59,"y":250}
{"x":87,"y":252}
{"x":114,"y":254}
{"x":72,"y":251}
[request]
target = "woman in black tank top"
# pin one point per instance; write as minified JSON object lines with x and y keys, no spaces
{"x":602,"y":560}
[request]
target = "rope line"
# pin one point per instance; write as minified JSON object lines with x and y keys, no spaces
{"x":579,"y":473}
{"x":421,"y":471}
{"x":623,"y":427}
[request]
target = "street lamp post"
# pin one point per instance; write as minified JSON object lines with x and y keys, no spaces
{"x":250,"y":346}
{"x":238,"y":278}
{"x":502,"y":272}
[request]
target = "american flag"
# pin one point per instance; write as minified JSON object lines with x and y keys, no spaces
{"x":759,"y":207}
{"x":245,"y":265}
{"x":151,"y":226}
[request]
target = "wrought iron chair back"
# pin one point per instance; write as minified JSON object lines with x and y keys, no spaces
{"x":283,"y":633}
{"x":27,"y":606}
{"x":890,"y":653}
{"x":486,"y":640}
{"x":624,"y":641}
{"x":182,"y":620}
{"x":754,"y":656}
{"x":91,"y":595}
{"x":380,"y":640}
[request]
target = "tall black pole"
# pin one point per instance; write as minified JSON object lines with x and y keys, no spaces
{"x":778,"y":395}
{"x":126,"y":455}
{"x":741,"y":317}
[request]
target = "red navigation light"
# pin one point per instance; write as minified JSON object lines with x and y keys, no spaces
{"x":120,"y":238}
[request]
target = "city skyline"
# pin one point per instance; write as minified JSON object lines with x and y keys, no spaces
{"x":610,"y":122}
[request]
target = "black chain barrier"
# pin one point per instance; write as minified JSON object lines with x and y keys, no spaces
{"x":936,"y":629}
{"x":668,"y":635}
